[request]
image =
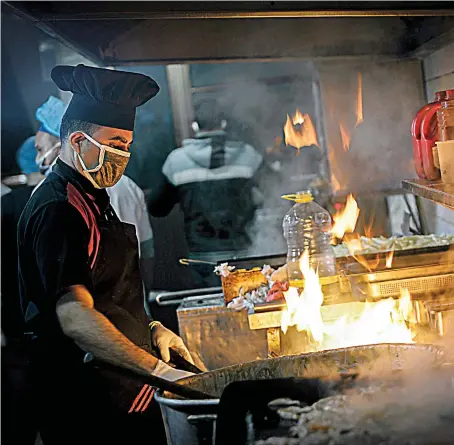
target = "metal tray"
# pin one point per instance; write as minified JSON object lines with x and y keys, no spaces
{"x":388,"y":283}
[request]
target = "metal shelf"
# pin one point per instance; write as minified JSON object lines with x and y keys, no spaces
{"x":435,"y":191}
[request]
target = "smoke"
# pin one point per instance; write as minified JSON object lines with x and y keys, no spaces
{"x":380,"y":153}
{"x":419,"y":410}
{"x":257,"y":98}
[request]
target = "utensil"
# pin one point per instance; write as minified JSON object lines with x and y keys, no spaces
{"x":157,"y":382}
{"x":181,"y":363}
{"x":188,"y":262}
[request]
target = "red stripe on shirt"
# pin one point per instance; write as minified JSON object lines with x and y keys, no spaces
{"x":76,"y":199}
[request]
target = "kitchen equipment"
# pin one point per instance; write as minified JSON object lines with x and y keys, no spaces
{"x":165,"y":385}
{"x":219,"y":336}
{"x":177,"y":297}
{"x":250,"y":398}
{"x":388,"y":283}
{"x":429,"y":135}
{"x":192,"y":422}
{"x":416,"y":134}
{"x":440,"y":316}
{"x":188,"y":262}
{"x":181,"y":363}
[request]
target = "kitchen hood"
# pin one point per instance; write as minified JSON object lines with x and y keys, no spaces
{"x":122,"y":33}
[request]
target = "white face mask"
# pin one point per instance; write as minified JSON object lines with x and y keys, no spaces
{"x":44,"y":169}
{"x":111,"y":165}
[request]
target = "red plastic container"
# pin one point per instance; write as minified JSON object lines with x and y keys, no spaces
{"x":416,"y":140}
{"x":446,"y":116}
{"x":423,"y":143}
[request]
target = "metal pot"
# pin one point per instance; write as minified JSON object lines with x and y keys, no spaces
{"x":192,"y":422}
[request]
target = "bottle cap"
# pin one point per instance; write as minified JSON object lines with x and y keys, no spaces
{"x":440,"y":95}
{"x":299,"y":197}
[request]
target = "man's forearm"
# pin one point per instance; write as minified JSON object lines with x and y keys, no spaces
{"x":94,"y":333}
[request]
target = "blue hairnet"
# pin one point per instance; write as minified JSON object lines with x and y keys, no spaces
{"x":50,"y":114}
{"x":25,"y":156}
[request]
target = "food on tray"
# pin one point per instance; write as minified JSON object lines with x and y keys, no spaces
{"x":277,"y":291}
{"x":382,"y":244}
{"x":280,"y":274}
{"x":242,"y":281}
{"x":224,"y":270}
{"x":245,"y":288}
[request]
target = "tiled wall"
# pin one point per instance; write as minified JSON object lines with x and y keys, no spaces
{"x":438,"y":75}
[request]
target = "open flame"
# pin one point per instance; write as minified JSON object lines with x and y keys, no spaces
{"x":346,"y":128}
{"x":300,"y":131}
{"x":385,"y":321}
{"x":359,"y":101}
{"x":355,"y":246}
{"x":345,"y":220}
{"x":389,"y":259}
{"x":345,"y":136}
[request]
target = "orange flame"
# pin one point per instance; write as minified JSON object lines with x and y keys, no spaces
{"x":345,"y":136}
{"x":345,"y":220}
{"x":298,"y":118}
{"x":355,"y":246}
{"x":389,"y":259}
{"x":359,"y":102}
{"x":300,"y":131}
{"x":335,"y":183}
{"x":385,"y":321}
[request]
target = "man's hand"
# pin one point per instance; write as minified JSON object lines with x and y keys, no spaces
{"x":164,"y":339}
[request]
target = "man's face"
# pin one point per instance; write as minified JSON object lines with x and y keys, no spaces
{"x":112,"y":137}
{"x":44,"y":142}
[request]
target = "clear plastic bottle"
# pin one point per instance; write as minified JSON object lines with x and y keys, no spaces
{"x":306,"y":227}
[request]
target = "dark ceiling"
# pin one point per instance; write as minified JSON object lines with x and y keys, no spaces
{"x":119,"y":33}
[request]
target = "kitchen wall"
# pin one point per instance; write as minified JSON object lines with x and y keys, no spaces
{"x":438,"y":71}
{"x":26,"y":84}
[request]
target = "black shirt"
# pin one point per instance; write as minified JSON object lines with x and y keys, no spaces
{"x":54,"y":242}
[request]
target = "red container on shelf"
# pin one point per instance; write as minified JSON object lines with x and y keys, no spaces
{"x":446,"y":116}
{"x":423,"y":143}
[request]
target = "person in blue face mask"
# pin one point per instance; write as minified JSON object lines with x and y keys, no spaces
{"x":47,"y":139}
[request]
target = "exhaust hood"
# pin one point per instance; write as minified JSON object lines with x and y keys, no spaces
{"x":122,"y":33}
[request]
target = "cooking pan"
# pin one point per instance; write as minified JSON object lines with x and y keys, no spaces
{"x":192,"y":422}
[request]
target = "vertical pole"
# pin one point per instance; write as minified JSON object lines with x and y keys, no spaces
{"x":179,"y":81}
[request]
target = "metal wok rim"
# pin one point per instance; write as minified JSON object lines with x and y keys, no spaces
{"x":180,"y":403}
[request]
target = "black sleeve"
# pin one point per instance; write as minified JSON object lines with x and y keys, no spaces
{"x":163,"y":199}
{"x":60,"y":245}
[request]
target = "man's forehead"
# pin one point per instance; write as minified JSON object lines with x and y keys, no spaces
{"x":114,"y":134}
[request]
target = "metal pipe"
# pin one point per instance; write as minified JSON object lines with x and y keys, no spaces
{"x":178,"y":296}
{"x":197,"y":15}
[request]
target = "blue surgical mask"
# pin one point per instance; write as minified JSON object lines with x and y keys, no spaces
{"x":44,"y":169}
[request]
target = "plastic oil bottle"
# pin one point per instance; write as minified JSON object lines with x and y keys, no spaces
{"x":307,"y":226}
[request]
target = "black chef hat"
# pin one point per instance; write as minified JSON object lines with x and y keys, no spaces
{"x":104,"y":97}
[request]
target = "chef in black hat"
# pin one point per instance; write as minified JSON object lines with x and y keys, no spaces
{"x":79,"y":275}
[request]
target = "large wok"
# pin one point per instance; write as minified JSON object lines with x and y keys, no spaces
{"x":192,"y":422}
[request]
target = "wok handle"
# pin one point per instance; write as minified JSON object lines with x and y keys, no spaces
{"x":181,"y":363}
{"x":157,"y":382}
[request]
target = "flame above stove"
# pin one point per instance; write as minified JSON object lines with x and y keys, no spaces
{"x":385,"y":321}
{"x":300,"y":131}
